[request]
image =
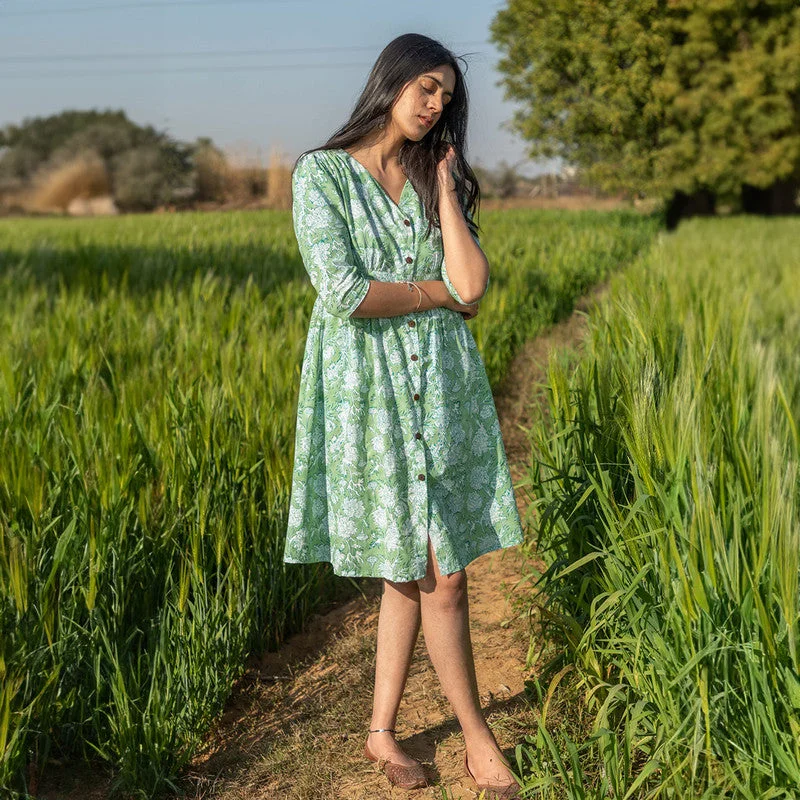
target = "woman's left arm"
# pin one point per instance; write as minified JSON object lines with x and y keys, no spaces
{"x":467,"y":267}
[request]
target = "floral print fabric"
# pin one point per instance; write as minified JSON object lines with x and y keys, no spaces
{"x":397,"y":437}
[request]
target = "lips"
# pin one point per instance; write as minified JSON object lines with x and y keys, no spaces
{"x":426,"y":121}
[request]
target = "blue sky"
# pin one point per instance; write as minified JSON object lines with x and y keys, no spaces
{"x":246,"y":102}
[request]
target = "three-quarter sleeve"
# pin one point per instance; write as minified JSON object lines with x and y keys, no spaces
{"x":449,"y":284}
{"x":323,"y":238}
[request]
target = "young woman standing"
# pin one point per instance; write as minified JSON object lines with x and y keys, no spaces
{"x":400,"y":471}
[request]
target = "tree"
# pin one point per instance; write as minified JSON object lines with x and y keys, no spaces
{"x":669,"y":98}
{"x":141,"y":179}
{"x":210,"y":168}
{"x":506,"y":180}
{"x":42,"y":145}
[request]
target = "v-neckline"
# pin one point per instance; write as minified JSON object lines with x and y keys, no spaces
{"x":378,"y":183}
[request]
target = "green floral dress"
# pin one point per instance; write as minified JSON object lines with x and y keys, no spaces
{"x":397,"y":437}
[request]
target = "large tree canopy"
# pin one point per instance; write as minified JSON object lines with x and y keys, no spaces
{"x":657,"y":96}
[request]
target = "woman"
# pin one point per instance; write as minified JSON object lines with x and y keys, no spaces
{"x":400,"y":471}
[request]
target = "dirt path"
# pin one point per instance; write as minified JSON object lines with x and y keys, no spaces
{"x":296,"y":724}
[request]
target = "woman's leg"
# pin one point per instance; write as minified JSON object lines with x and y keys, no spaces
{"x":398,"y":627}
{"x":444,"y":606}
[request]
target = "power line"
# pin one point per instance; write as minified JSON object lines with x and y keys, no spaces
{"x":198,"y":53}
{"x":103,"y":73}
{"x":129,"y":6}
{"x":187,"y":54}
{"x":198,"y":69}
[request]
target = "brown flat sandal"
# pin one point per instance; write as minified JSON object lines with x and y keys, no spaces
{"x":510,"y":792}
{"x":398,"y":775}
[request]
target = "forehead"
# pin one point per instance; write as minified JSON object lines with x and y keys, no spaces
{"x":445,"y":77}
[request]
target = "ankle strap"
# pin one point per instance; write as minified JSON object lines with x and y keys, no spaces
{"x":377,"y":730}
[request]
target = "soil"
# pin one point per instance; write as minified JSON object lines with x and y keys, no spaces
{"x":295,"y":724}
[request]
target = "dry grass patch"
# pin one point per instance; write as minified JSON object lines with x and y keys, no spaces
{"x":83,"y":177}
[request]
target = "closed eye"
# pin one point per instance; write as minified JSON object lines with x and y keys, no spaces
{"x":433,"y":91}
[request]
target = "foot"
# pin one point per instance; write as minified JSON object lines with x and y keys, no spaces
{"x":489,"y":765}
{"x":383,"y":745}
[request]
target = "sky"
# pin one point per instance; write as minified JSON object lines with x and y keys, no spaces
{"x":253,"y":75}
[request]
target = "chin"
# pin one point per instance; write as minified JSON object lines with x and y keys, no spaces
{"x":416,"y":134}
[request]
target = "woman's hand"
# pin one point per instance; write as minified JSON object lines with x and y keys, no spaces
{"x":472,"y":310}
{"x":443,"y":299}
{"x":466,"y":311}
{"x":444,"y":172}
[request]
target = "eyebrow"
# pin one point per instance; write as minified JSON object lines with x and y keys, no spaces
{"x":437,"y":81}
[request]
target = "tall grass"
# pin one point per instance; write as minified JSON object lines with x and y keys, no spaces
{"x":667,"y":477}
{"x":149,"y":370}
{"x":542,"y":261}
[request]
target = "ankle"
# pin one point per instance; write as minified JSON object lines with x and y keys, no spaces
{"x":381,"y":729}
{"x":380,"y":737}
{"x":479,"y":739}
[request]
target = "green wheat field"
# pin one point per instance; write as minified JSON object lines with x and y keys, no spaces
{"x":665,"y":476}
{"x":149,"y":369}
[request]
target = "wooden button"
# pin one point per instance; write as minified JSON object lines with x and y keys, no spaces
{"x":414,"y":357}
{"x":416,"y":397}
{"x":417,"y":435}
{"x":421,"y":476}
{"x":409,"y":259}
{"x":407,"y":221}
{"x":411,"y":323}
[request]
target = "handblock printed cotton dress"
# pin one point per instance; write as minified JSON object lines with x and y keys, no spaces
{"x":397,"y":437}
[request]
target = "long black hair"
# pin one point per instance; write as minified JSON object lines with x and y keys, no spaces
{"x":401,"y":61}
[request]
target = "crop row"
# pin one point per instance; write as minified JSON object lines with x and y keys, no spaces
{"x":666,"y":481}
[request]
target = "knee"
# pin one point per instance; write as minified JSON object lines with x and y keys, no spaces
{"x":449,"y":591}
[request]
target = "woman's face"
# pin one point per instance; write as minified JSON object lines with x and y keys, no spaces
{"x":422,"y":100}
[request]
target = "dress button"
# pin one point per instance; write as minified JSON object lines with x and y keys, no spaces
{"x":414,"y":357}
{"x":421,"y":476}
{"x":409,"y":259}
{"x":416,"y":397}
{"x":411,"y":323}
{"x":417,"y":435}
{"x":407,"y":221}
